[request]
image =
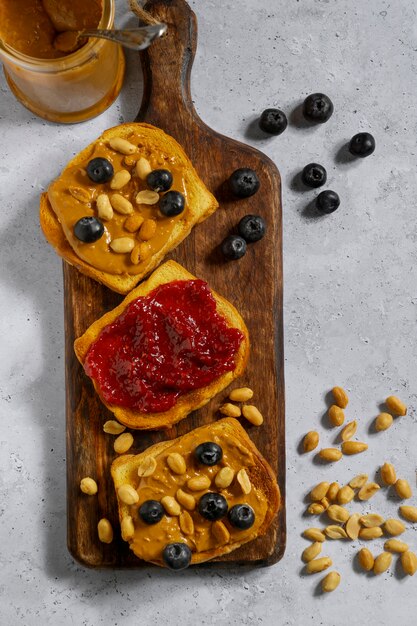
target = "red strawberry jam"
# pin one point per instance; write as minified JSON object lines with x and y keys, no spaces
{"x":163,"y":345}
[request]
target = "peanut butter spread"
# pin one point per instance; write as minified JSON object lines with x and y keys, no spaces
{"x":149,"y":541}
{"x":33,"y":26}
{"x":74,"y":196}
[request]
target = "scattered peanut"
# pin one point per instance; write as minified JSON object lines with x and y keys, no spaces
{"x":135,"y":255}
{"x":146,"y":196}
{"x":127,"y":494}
{"x":122,"y":145}
{"x":186,"y":523}
{"x":176,"y":463}
{"x":340,"y":397}
{"x":354,"y":447}
{"x":394,"y":527}
{"x":338,"y":513}
{"x":316,"y":508}
{"x":388,"y":474}
{"x":409,"y":512}
{"x":121,"y":245}
{"x":370,"y":533}
{"x":143,"y":168}
{"x":121,"y":204}
{"x":133,"y":222}
{"x":199,"y":483}
{"x":171,"y":506}
{"x":127,"y":528}
{"x":252,"y":414}
{"x":186,"y":500}
{"x":120,"y":179}
{"x":325,"y":503}
{"x":105,"y":531}
{"x":311,"y":552}
{"x":353,"y":526}
{"x":111,"y":427}
{"x":318,"y":565}
{"x":336,"y":415}
{"x":220,"y":531}
{"x":244,"y":481}
{"x":368,"y":490}
{"x":319,"y":491}
{"x":104,"y":207}
{"x":331,"y":455}
{"x":224,"y":477}
{"x":122,"y":443}
{"x":335,"y":532}
{"x":147,"y":230}
{"x":311,"y":441}
{"x":147,"y":467}
{"x":396,"y":406}
{"x":314,"y":534}
{"x":345,"y":495}
{"x":358,"y":481}
{"x":330,"y":582}
{"x":371,"y":520}
{"x":230,"y":410}
{"x":80,"y":194}
{"x":403,"y":489}
{"x":88,"y":486}
{"x":383,"y":421}
{"x":366,"y":559}
{"x":242,"y":394}
{"x":333,"y":491}
{"x":382,"y":562}
{"x":349,"y":430}
{"x":409,"y":562}
{"x":395,"y":545}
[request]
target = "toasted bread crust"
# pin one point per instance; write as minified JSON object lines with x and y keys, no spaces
{"x":201,"y":203}
{"x":192,"y":401}
{"x":261,"y":476}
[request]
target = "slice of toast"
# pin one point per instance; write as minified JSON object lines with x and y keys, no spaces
{"x":200,"y":203}
{"x":206,"y":539}
{"x":185,"y":404}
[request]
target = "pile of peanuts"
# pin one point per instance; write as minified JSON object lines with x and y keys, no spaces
{"x":330,"y":498}
{"x":249,"y":411}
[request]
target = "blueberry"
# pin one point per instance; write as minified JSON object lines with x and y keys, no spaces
{"x":100,"y":170}
{"x":327,"y":201}
{"x":241,"y":516}
{"x":314,"y":175}
{"x":159,"y":180}
{"x":212,"y":506}
{"x":233,"y":247}
{"x":252,"y":228}
{"x":88,"y":229}
{"x":208,"y":453}
{"x":362,"y":145}
{"x":244,"y":182}
{"x":151,"y":511}
{"x":317,"y":108}
{"x":172,"y":204}
{"x":176,"y":556}
{"x":273,"y":121}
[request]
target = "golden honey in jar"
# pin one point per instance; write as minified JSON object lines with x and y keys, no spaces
{"x":55,"y":75}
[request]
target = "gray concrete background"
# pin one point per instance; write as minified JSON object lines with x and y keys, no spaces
{"x":350,"y":312}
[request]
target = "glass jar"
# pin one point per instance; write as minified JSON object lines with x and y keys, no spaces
{"x":72,"y":88}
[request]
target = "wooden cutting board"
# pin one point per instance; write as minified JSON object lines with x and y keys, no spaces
{"x":253,"y":284}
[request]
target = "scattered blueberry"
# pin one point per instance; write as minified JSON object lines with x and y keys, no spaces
{"x":159,"y":180}
{"x":273,"y":121}
{"x":176,"y":556}
{"x":317,"y":108}
{"x":208,"y":453}
{"x":252,"y":228}
{"x":244,"y":182}
{"x":314,"y":175}
{"x":88,"y":229}
{"x":233,"y":247}
{"x":327,"y":201}
{"x":151,"y":511}
{"x":172,"y":204}
{"x":212,"y":506}
{"x":362,"y":145}
{"x":100,"y":170}
{"x":241,"y":516}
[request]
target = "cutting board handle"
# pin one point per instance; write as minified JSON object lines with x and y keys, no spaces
{"x":167,"y":66}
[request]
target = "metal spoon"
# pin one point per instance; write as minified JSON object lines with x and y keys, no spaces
{"x":134,"y":38}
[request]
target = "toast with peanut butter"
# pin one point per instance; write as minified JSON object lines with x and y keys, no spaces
{"x":165,"y":351}
{"x":195,"y":498}
{"x":123,"y":203}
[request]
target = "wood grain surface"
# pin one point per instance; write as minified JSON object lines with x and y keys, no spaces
{"x":253,"y":284}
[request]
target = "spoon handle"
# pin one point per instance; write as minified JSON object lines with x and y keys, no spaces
{"x":134,"y":38}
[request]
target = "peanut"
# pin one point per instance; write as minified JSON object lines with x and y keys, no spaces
{"x":111,"y":427}
{"x":353,"y":526}
{"x":199,"y":483}
{"x":382,"y":562}
{"x":176,"y":463}
{"x":383,"y":421}
{"x":318,"y":565}
{"x":127,"y":527}
{"x":335,"y":532}
{"x":314,"y":534}
{"x":127,"y":494}
{"x":388,"y":474}
{"x":146,"y":196}
{"x":366,"y":559}
{"x":348,"y":431}
{"x":345,"y":495}
{"x":242,"y":394}
{"x":147,"y":230}
{"x":325,"y":503}
{"x":331,"y":455}
{"x":370,"y":533}
{"x":171,"y":506}
{"x":120,"y":179}
{"x":104,"y":207}
{"x":244,"y":481}
{"x":330,"y":582}
{"x":319,"y":491}
{"x":186,"y":500}
{"x":122,"y":145}
{"x":394,"y":527}
{"x":133,"y":222}
{"x":105,"y":531}
{"x":409,"y":512}
{"x":403,"y":489}
{"x":409,"y":562}
{"x":135,"y":255}
{"x":80,"y":194}
{"x":395,"y":545}
{"x":186,"y":523}
{"x":143,"y":168}
{"x":311,"y":552}
{"x":88,"y":486}
{"x":340,"y":397}
{"x":220,"y":531}
{"x":224,"y":477}
{"x":147,"y":467}
{"x":371,"y":520}
{"x":368,"y":490}
{"x":333,"y":491}
{"x":252,"y":414}
{"x":338,"y":513}
{"x":121,"y":204}
{"x":354,"y":447}
{"x":316,"y":508}
{"x":230,"y":410}
{"x":336,"y":415}
{"x":396,"y":406}
{"x":358,"y":481}
{"x":121,"y":245}
{"x":122,"y":443}
{"x":311,"y":441}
